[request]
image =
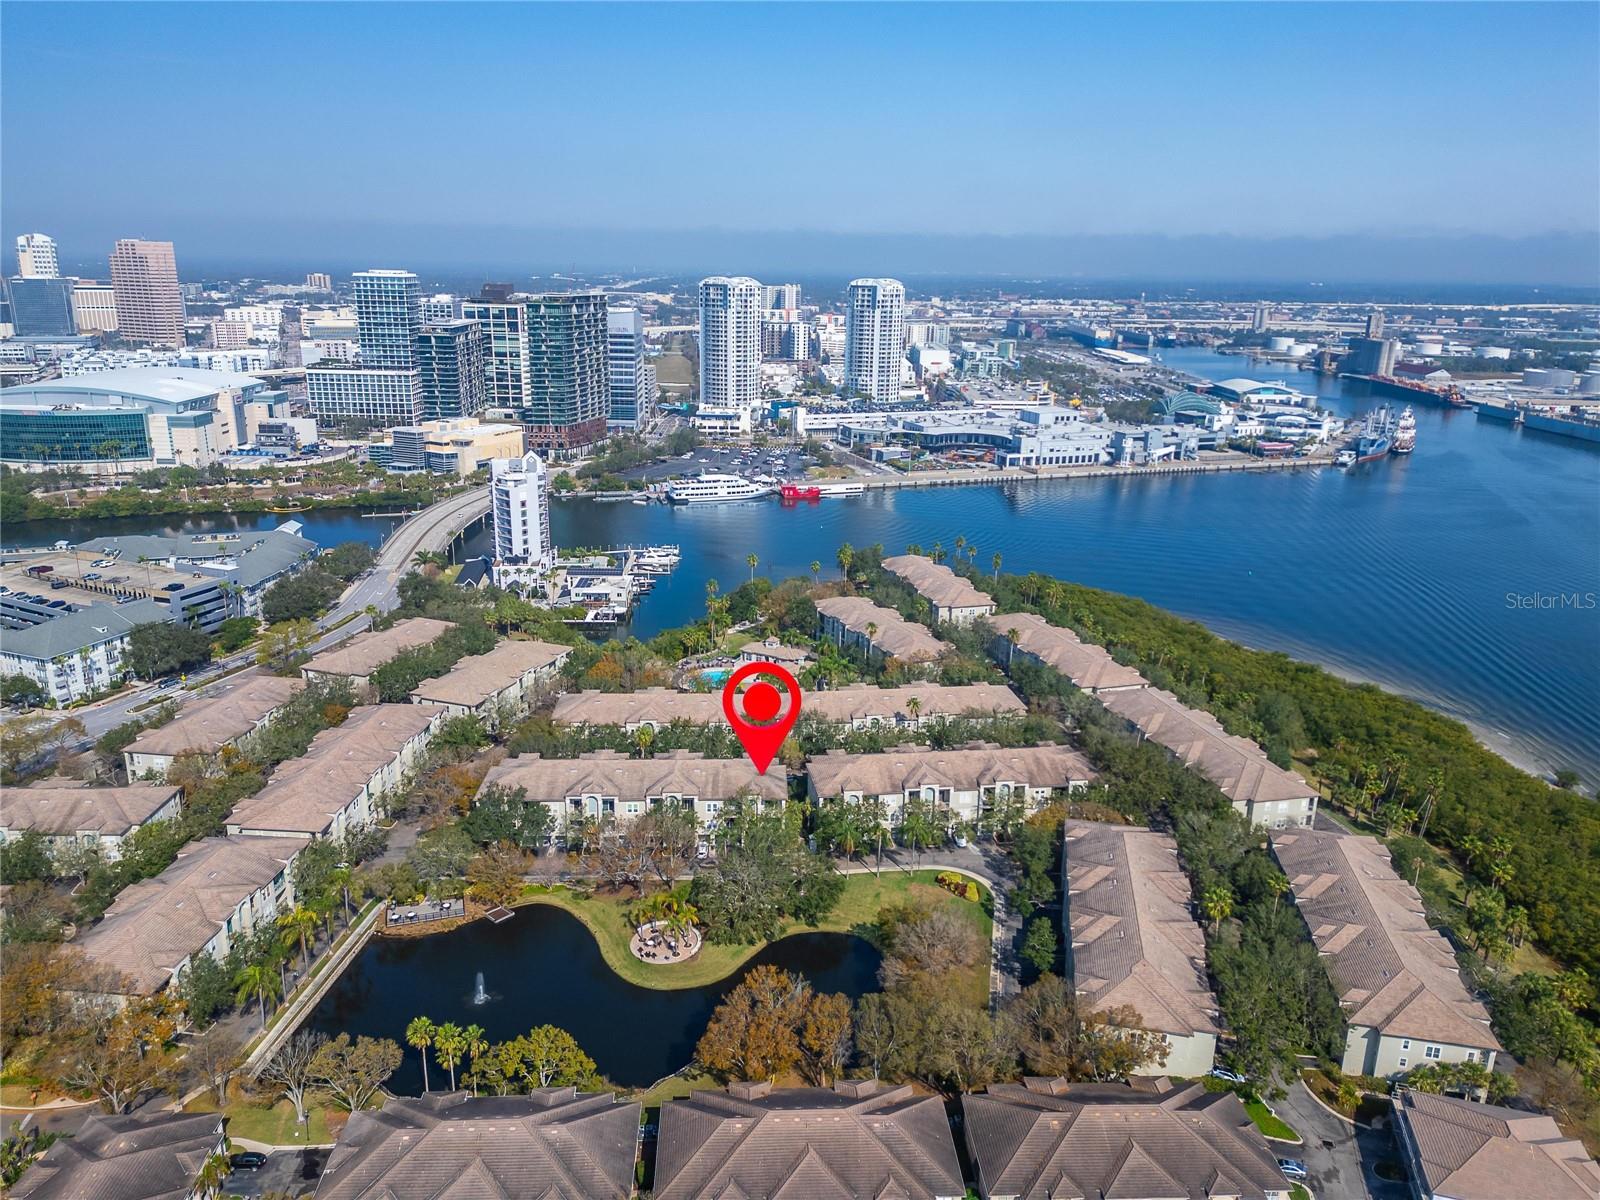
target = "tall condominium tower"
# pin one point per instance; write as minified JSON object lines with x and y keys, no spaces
{"x":144,"y":278}
{"x":505,"y":348}
{"x":520,"y":511}
{"x":450,"y":358}
{"x":874,"y":337}
{"x":781,"y":295}
{"x":633,"y":380}
{"x":730,"y":342}
{"x":94,"y":306}
{"x":36,"y":256}
{"x":569,"y":389}
{"x":388,"y":315}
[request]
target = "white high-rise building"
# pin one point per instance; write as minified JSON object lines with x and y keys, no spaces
{"x":730,"y":342}
{"x":440,"y":309}
{"x":36,"y":257}
{"x":781,"y":295}
{"x":875,"y":338}
{"x":388,"y":315}
{"x":519,"y":507}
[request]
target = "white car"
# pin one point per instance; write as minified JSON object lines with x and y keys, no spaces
{"x":1231,"y":1077}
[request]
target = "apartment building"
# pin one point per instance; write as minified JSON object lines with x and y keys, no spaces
{"x":218,"y":889}
{"x":960,"y":785}
{"x":1132,"y":940}
{"x":878,"y":632}
{"x":356,"y":660}
{"x":497,"y":687}
{"x":241,"y":708}
{"x":1395,"y":974}
{"x":607,"y":786}
{"x":950,"y":597}
{"x":345,"y":778}
{"x":67,"y":812}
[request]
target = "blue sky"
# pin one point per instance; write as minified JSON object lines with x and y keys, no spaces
{"x":284,"y":126}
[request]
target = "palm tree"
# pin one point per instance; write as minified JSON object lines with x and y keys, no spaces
{"x":1277,"y":885}
{"x":961,"y":542}
{"x":1471,"y":848}
{"x":914,"y":707}
{"x":475,"y":1044}
{"x":750,"y":560}
{"x":1217,"y":903}
{"x":449,"y":1043}
{"x":996,"y":561}
{"x":938,"y":552}
{"x":1501,"y":873}
{"x":816,"y":571}
{"x":260,"y":981}
{"x":298,"y":923}
{"x":643,"y":737}
{"x":419,"y":1035}
{"x":845,"y":557}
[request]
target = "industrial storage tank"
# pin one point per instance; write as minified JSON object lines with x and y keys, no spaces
{"x":1429,"y":349}
{"x":1279,"y":345}
{"x":1302,"y":349}
{"x":1589,"y":384}
{"x":1538,"y":377}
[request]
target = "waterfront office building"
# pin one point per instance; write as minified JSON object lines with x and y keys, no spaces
{"x":505,"y":349}
{"x":94,"y":306}
{"x":519,"y":507}
{"x":875,"y":338}
{"x":36,"y":256}
{"x":456,"y":446}
{"x":730,"y":343}
{"x":450,"y":359}
{"x":41,"y":307}
{"x":633,"y":380}
{"x":569,"y":390}
{"x":144,"y":278}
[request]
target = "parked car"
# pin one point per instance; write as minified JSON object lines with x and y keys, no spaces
{"x":961,"y":841}
{"x":249,"y":1160}
{"x":1230,"y":1076}
{"x":92,"y":575}
{"x":1293,"y":1169}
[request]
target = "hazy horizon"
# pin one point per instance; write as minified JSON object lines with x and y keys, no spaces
{"x":1449,"y":143}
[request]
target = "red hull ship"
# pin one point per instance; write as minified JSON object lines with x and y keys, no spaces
{"x":793,"y":493}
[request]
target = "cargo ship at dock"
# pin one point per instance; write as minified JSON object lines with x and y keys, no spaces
{"x":1444,"y":396}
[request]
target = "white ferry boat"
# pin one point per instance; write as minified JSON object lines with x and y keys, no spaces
{"x":842,"y":489}
{"x":714,"y":489}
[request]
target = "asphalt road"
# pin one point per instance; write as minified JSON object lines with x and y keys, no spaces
{"x":287,"y":1173}
{"x":1340,"y":1157}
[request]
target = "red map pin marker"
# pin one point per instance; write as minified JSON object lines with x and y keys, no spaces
{"x":765,"y":722}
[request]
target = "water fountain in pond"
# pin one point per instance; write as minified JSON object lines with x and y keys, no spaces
{"x":479,"y":996}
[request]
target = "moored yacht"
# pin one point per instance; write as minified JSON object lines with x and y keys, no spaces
{"x":714,"y":489}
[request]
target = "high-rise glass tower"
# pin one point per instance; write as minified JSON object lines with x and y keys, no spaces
{"x":569,"y":388}
{"x":874,"y":337}
{"x":144,"y":279}
{"x":505,"y":348}
{"x":388,"y":315}
{"x":36,"y":256}
{"x":730,"y":342}
{"x":450,"y":358}
{"x":633,"y":380}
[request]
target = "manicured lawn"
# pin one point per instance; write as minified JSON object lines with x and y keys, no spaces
{"x":864,"y":896}
{"x":275,"y":1126}
{"x":1298,"y":1192}
{"x":1268,"y":1122}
